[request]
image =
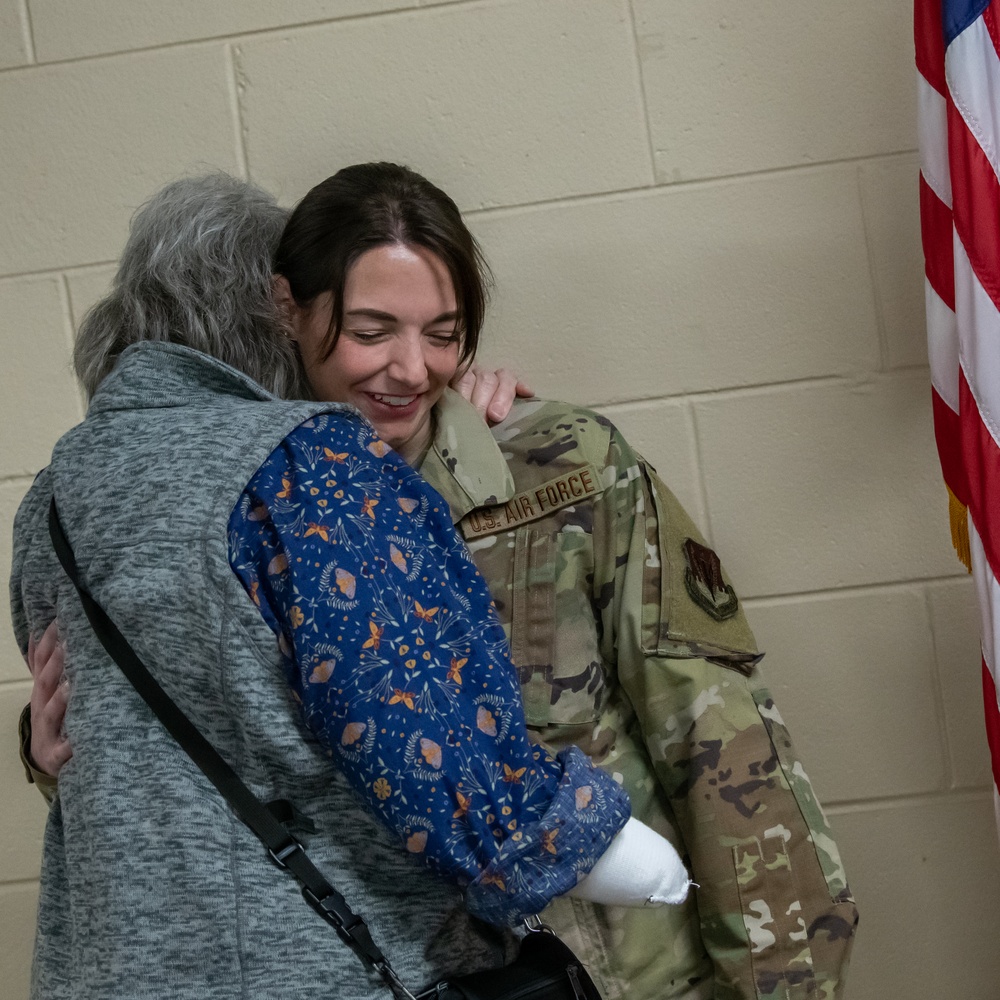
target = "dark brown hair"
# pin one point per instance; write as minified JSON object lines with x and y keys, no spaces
{"x":370,"y":205}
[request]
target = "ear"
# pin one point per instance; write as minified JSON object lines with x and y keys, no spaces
{"x":289,"y":310}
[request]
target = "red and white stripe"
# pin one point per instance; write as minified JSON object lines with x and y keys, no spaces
{"x":959,"y":106}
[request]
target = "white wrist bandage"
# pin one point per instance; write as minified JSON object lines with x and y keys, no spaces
{"x":639,"y":868}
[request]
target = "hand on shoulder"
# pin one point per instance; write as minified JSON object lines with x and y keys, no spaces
{"x":492,"y":393}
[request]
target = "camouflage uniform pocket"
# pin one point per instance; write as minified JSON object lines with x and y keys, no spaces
{"x":772,"y":917}
{"x":553,"y":635}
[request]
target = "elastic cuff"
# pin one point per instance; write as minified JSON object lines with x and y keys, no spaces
{"x":47,"y":784}
{"x":553,"y":853}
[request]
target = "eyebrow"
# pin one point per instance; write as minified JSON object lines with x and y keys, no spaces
{"x":445,"y":317}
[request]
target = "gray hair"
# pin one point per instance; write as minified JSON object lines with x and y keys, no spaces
{"x":196,"y":270}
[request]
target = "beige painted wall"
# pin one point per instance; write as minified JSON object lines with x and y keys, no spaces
{"x":703,"y":220}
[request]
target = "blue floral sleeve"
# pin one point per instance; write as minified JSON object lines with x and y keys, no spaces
{"x":402,"y":669}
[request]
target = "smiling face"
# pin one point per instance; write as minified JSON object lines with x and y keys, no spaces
{"x":399,"y":346}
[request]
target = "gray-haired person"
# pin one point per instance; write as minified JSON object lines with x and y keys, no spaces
{"x":151,"y":887}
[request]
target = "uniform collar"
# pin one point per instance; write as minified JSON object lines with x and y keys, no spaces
{"x":465,"y":464}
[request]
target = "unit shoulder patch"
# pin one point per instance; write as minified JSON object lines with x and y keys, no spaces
{"x":535,"y":503}
{"x":704,"y":582}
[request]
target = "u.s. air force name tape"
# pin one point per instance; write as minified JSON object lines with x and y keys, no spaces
{"x":530,"y":505}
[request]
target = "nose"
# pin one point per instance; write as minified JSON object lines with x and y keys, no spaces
{"x":407,"y":364}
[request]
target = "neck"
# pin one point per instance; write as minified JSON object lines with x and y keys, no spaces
{"x":414,"y":450}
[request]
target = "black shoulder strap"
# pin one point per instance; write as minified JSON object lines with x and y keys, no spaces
{"x":284,"y":850}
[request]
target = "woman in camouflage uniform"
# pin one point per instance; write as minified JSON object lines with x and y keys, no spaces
{"x":630,"y":640}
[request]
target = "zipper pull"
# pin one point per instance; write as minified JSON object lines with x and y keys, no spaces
{"x":574,"y":980}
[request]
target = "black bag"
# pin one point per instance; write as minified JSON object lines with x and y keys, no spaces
{"x":545,"y":968}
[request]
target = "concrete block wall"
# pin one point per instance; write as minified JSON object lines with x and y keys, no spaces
{"x":703,"y":221}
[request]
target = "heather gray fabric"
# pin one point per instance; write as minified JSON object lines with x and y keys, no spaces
{"x":150,"y":886}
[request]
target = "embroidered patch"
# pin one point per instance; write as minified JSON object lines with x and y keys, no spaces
{"x":703,"y":579}
{"x":530,"y":505}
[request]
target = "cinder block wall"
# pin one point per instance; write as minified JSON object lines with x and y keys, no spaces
{"x":703,"y":221}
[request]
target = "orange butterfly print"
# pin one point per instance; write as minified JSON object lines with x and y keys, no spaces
{"x":425,"y":613}
{"x":331,"y":456}
{"x":584,"y":796}
{"x":353,"y":732}
{"x":490,"y":878}
{"x":372,"y":642}
{"x":463,"y":805}
{"x":317,"y":529}
{"x":455,"y":670}
{"x":407,"y":505}
{"x":322,"y":672}
{"x":254,"y":587}
{"x":416,"y":842}
{"x":278,"y":564}
{"x":286,"y":489}
{"x":368,"y":506}
{"x":402,"y":697}
{"x":431,"y":752}
{"x":347,"y":584}
{"x":549,"y":840}
{"x":397,"y":557}
{"x":485,"y":722}
{"x":511,"y":776}
{"x":378,"y":448}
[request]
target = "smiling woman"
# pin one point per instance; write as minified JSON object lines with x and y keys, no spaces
{"x":384,"y":289}
{"x":399,"y":345}
{"x":630,"y":640}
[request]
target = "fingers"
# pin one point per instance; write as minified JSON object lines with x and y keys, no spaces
{"x":464,"y":382}
{"x":484,"y":395}
{"x":49,"y":748}
{"x":40,"y":651}
{"x":492,"y":393}
{"x":48,"y":669}
{"x":508,"y":387}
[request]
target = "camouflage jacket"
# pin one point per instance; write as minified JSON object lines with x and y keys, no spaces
{"x":632,"y":644}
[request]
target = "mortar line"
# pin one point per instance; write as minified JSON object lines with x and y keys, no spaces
{"x":257,"y":33}
{"x":700,"y":464}
{"x":694,"y":183}
{"x":52,"y":272}
{"x":883,"y":335}
{"x":66,"y":297}
{"x":937,"y":689}
{"x":643,"y":99}
{"x":27,"y":32}
{"x":849,"y":590}
{"x":70,"y":333}
{"x":71,"y":328}
{"x":847,"y":807}
{"x":736,"y":391}
{"x":643,"y":402}
{"x":18,"y":883}
{"x":13,"y":682}
{"x":233,"y":81}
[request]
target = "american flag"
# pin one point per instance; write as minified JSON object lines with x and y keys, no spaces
{"x":958,"y":63}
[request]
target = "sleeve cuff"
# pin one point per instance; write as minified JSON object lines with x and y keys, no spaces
{"x":555,"y":851}
{"x":46,"y":784}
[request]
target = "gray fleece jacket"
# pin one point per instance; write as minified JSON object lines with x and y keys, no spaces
{"x":151,"y":888}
